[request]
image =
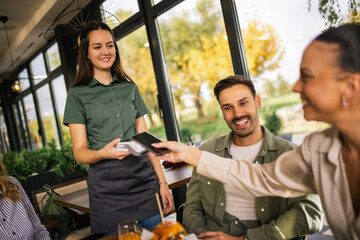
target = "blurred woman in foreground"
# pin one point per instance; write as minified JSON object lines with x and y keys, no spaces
{"x":328,"y":162}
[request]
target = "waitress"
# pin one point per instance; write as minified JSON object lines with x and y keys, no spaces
{"x":104,"y":107}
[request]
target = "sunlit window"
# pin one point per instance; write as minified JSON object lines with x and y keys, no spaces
{"x":156,"y":1}
{"x":21,"y":125}
{"x":197,"y":56}
{"x":38,"y":69}
{"x":32,"y":122}
{"x":24,"y":79}
{"x":60,"y":97}
{"x":47,"y":114}
{"x":121,"y":9}
{"x":136,"y":59}
{"x":4,"y":140}
{"x":274,"y":48}
{"x":53,"y":57}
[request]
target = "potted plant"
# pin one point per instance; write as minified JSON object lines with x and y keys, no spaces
{"x":49,"y":165}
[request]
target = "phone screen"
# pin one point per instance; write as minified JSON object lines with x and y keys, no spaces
{"x":146,"y":139}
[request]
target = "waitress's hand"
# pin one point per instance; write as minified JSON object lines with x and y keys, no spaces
{"x":179,"y":152}
{"x":110,"y":152}
{"x":166,"y":197}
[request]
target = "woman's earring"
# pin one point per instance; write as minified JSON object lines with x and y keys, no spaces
{"x":344,"y":102}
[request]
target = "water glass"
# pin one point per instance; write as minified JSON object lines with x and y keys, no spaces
{"x":129,"y":230}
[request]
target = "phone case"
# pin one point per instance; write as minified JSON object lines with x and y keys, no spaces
{"x":146,"y":139}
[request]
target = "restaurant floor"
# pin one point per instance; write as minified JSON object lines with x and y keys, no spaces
{"x":324,"y":234}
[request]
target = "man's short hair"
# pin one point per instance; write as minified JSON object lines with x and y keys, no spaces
{"x":231,"y":81}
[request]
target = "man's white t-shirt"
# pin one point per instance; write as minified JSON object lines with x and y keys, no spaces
{"x":242,"y":204}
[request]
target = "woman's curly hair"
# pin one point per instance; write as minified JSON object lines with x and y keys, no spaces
{"x":9,"y":190}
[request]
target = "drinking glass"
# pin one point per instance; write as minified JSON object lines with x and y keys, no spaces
{"x":129,"y":230}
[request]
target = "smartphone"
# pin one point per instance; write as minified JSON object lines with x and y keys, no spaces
{"x":146,"y":139}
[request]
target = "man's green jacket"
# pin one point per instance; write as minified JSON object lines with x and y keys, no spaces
{"x":279,"y":218}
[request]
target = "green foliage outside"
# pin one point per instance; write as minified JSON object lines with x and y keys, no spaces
{"x":278,"y":86}
{"x":273,"y":103}
{"x":185,"y":134}
{"x":273,"y":123}
{"x":50,"y":158}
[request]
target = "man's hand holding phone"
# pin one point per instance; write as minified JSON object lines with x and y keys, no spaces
{"x":146,"y":139}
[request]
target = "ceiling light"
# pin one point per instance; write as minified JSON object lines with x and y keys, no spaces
{"x":16,"y":87}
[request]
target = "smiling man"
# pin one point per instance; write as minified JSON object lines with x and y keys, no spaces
{"x":218,"y":211}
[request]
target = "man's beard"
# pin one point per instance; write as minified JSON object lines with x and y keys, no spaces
{"x":243,"y":135}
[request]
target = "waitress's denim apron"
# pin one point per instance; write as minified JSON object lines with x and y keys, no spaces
{"x":120,"y":190}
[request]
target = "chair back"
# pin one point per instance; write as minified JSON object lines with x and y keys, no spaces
{"x":179,"y":213}
{"x":61,"y":189}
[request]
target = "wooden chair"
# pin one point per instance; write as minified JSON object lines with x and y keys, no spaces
{"x":62,"y":189}
{"x":179,"y":213}
{"x":50,"y":223}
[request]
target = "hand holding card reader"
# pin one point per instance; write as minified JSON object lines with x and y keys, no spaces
{"x":133,"y":147}
{"x":141,"y":143}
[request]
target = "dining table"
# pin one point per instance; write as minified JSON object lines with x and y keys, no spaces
{"x":175,"y":177}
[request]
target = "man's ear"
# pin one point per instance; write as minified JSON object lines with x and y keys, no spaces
{"x":258,"y":102}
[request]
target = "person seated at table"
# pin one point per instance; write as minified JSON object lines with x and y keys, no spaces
{"x":18,"y":219}
{"x":240,"y":213}
{"x":328,"y":161}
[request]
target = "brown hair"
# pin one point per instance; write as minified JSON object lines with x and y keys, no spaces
{"x":9,"y":189}
{"x":347,"y":37}
{"x":85,"y":69}
{"x":231,"y":81}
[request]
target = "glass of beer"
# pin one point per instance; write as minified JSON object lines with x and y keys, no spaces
{"x":129,"y":230}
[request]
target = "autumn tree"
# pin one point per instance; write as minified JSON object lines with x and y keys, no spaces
{"x":208,"y":64}
{"x":262,"y":47}
{"x":136,"y":58}
{"x":197,"y":52}
{"x":184,"y":45}
{"x":137,"y":62}
{"x":177,"y":38}
{"x":213,"y":61}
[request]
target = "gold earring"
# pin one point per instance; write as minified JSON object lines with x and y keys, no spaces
{"x":344,"y":102}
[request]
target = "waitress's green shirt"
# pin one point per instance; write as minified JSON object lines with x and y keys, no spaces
{"x":108,"y":111}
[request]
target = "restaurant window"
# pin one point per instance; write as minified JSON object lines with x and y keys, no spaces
{"x":4,"y":140}
{"x":38,"y":69}
{"x":157,"y":1}
{"x":60,"y":98}
{"x":53,"y":57}
{"x":137,"y":62}
{"x":47,"y":114}
{"x":274,"y":49}
{"x":197,"y":56}
{"x":32,"y":122}
{"x":21,"y":125}
{"x":24,"y":79}
{"x":121,"y":9}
